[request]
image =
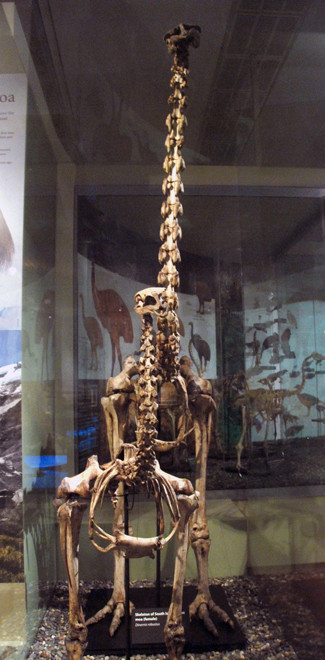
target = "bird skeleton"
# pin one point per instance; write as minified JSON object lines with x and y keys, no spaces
{"x":135,"y":466}
{"x":267,"y":403}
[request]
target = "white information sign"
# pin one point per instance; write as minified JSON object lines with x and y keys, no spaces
{"x":13,"y":97}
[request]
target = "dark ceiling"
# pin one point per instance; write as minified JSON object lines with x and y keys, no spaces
{"x":256,"y":97}
{"x":257,"y":82}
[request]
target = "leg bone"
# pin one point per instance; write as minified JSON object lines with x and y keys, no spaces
{"x":202,"y":414}
{"x":70,"y":517}
{"x":116,"y":604}
{"x":174,"y":630}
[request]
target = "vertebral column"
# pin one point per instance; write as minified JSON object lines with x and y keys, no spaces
{"x":168,"y":339}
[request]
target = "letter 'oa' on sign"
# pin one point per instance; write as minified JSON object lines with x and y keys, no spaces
{"x":7,"y":98}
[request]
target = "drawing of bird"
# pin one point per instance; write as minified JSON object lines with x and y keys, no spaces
{"x":272,"y":378}
{"x":289,"y":418}
{"x":114,"y":317}
{"x":279,"y":320}
{"x":262,"y":327}
{"x":254,"y":371}
{"x":291,"y":431}
{"x":280,"y":374}
{"x":307,"y":400}
{"x":203,"y":292}
{"x":272,"y":341}
{"x":285,"y":344}
{"x":292,"y":319}
{"x":202,"y":347}
{"x":94,"y":334}
{"x":318,"y":357}
{"x":272,"y":306}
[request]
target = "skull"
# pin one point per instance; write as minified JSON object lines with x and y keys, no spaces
{"x":151,"y":301}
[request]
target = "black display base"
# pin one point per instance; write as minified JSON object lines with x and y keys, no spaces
{"x":147,"y":628}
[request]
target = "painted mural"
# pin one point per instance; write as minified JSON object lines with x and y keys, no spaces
{"x":109,"y":329}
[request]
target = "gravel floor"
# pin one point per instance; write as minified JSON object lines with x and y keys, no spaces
{"x":292,"y":462}
{"x":297,"y":462}
{"x":271,"y":611}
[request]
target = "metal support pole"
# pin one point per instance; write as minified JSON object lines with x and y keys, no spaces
{"x":127,"y":580}
{"x":158,"y":585}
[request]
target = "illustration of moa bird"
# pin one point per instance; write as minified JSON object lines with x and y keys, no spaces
{"x":318,"y":357}
{"x":272,"y":341}
{"x":203,"y":350}
{"x":43,"y":327}
{"x":292,"y":319}
{"x":114,"y":317}
{"x":94,"y":334}
{"x":307,"y":400}
{"x":285,"y":344}
{"x":203,"y":292}
{"x":7,"y":247}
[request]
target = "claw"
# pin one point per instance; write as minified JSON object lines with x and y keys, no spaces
{"x":117,"y":618}
{"x":203,"y":614}
{"x":202,"y":607}
{"x":221,"y":613}
{"x":111,"y":606}
{"x":107,"y":609}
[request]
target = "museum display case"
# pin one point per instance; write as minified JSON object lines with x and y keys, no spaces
{"x":87,"y":199}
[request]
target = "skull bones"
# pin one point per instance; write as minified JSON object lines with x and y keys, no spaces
{"x":151,"y":301}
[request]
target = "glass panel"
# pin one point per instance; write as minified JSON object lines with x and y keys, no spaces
{"x":43,"y":469}
{"x":250,"y":302}
{"x":13,"y":86}
{"x":251,"y":296}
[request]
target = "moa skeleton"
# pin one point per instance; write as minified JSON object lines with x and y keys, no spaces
{"x":268,"y":404}
{"x":136,"y":405}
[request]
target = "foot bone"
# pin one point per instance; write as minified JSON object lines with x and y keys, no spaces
{"x":111,"y":607}
{"x":202,"y":606}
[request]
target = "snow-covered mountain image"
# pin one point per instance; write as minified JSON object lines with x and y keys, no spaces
{"x":11,"y":510}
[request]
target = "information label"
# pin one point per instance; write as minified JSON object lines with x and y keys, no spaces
{"x":13,"y":99}
{"x":148,"y":625}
